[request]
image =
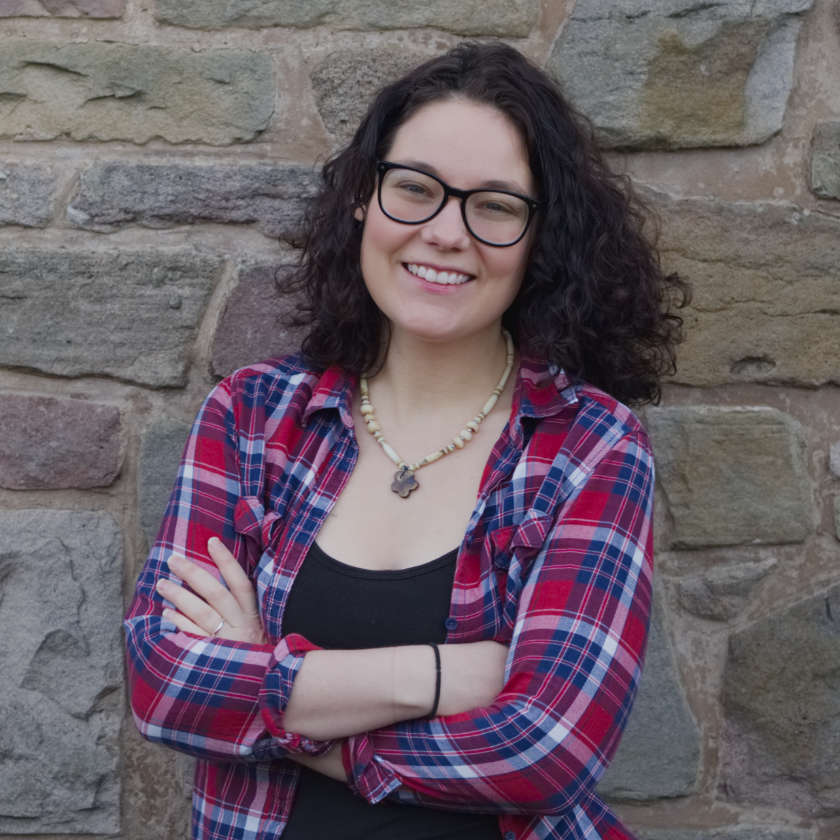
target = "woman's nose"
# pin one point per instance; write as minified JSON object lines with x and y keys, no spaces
{"x":447,"y":228}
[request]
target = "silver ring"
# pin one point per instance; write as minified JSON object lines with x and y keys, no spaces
{"x":216,"y":631}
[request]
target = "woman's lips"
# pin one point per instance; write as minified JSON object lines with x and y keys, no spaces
{"x":436,"y":276}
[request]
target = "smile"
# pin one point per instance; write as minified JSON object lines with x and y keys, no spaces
{"x":431,"y":275}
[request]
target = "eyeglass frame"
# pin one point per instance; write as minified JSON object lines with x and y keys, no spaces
{"x":384,"y":166}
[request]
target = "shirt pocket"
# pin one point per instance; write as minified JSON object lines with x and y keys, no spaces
{"x":512,"y":549}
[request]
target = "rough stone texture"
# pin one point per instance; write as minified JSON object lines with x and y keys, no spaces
{"x":62,"y":8}
{"x":677,"y":73}
{"x":740,"y":832}
{"x":53,"y":443}
{"x":837,"y":517}
{"x":781,"y":699}
{"x":720,"y":594}
{"x":659,"y":755}
{"x":825,"y":160}
{"x":114,"y":194}
{"x":160,"y":454}
{"x":766,"y":291}
{"x":61,"y":692}
{"x":26,"y":194}
{"x":507,"y":18}
{"x":102,"y":91}
{"x":720,"y":470}
{"x":131,"y":314}
{"x":834,"y":459}
{"x":252,"y":324}
{"x":346,"y":80}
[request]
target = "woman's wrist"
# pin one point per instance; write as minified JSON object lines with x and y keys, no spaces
{"x":414,"y":669}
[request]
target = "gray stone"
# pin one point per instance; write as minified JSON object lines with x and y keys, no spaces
{"x":510,"y":18}
{"x":834,"y":459}
{"x":837,"y":517}
{"x":26,"y":194}
{"x":111,"y":195}
{"x":825,"y":160}
{"x":659,"y":755}
{"x":62,"y":8}
{"x":766,"y":291}
{"x":677,"y":73}
{"x":160,"y":453}
{"x":129,"y":314}
{"x":61,"y":693}
{"x":107,"y":91}
{"x":781,"y":701}
{"x":55,"y":443}
{"x":731,"y":476}
{"x":346,"y":81}
{"x":720,"y":594}
{"x":737,"y":832}
{"x":254,"y":324}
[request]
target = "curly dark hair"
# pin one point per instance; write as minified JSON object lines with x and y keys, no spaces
{"x":594,"y":299}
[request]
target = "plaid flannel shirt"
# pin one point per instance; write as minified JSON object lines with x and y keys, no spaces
{"x":555,"y":561}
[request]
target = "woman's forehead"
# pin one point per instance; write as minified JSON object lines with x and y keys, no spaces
{"x":462,"y":141}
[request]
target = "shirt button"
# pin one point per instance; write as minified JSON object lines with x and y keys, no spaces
{"x":450,"y":623}
{"x":509,"y":835}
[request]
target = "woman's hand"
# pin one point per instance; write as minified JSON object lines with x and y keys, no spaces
{"x":226,"y":611}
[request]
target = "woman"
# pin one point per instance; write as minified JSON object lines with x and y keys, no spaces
{"x":340,"y":625}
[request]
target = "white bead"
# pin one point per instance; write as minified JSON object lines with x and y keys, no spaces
{"x":458,"y":442}
{"x":366,"y":408}
{"x":465,"y":435}
{"x":473,"y":426}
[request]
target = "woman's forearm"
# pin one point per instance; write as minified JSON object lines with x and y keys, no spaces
{"x":344,"y":692}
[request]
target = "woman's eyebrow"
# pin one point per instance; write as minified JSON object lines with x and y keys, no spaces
{"x":490,"y":184}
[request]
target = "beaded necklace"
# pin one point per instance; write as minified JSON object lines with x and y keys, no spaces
{"x":404,"y":481}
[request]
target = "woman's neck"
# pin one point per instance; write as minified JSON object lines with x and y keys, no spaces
{"x":419,"y":376}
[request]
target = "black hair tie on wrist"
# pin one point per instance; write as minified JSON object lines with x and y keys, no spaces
{"x":433,"y":713}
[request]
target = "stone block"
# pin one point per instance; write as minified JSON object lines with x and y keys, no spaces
{"x":271,"y":196}
{"x":107,"y":91}
{"x":731,"y":476}
{"x":834,"y":459}
{"x":825,"y":160}
{"x":49,"y":443}
{"x":781,"y":702}
{"x":677,"y":73}
{"x":766,"y":291}
{"x":837,"y":517}
{"x":61,"y":694}
{"x":160,"y":453}
{"x":128,"y":314}
{"x":346,"y":81}
{"x":508,"y":18}
{"x":720,"y":594}
{"x":659,"y":754}
{"x":26,"y":194}
{"x":735,"y":832}
{"x":62,"y":8}
{"x":253,"y":324}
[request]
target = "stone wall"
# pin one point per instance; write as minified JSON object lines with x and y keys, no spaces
{"x":154,"y":157}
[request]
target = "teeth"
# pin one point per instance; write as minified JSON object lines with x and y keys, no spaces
{"x":445,"y":278}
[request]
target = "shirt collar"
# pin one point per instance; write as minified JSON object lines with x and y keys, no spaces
{"x":541,"y":390}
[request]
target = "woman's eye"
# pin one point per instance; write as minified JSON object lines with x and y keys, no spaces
{"x":414,"y":188}
{"x":498,"y":208}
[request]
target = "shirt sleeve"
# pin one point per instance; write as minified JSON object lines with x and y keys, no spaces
{"x":574,"y":664}
{"x":210,"y":697}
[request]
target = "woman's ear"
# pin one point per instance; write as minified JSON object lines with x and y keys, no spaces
{"x":359,"y":214}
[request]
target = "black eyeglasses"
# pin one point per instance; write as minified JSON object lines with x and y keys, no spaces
{"x":412,"y":196}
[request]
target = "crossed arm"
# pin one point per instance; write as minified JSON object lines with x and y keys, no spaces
{"x":336,"y":693}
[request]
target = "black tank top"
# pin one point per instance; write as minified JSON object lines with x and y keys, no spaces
{"x":337,"y":606}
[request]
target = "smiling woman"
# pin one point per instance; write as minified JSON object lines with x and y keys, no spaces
{"x":354,"y":652}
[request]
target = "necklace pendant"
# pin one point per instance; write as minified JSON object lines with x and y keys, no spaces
{"x":404,"y":482}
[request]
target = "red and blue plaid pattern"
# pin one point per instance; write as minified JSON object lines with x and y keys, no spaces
{"x":556,"y":562}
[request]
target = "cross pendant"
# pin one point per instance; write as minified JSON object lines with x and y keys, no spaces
{"x":404,"y":482}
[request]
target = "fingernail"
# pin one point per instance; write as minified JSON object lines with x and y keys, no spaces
{"x":213,"y":540}
{"x":174,"y":562}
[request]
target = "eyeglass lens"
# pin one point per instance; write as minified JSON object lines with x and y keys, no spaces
{"x":410,"y":196}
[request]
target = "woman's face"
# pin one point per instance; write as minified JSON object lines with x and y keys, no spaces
{"x":434,"y":280}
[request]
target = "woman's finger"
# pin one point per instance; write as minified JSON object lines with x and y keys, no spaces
{"x":190,"y":606}
{"x":206,"y":586}
{"x":183,"y":623}
{"x":234,"y":575}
